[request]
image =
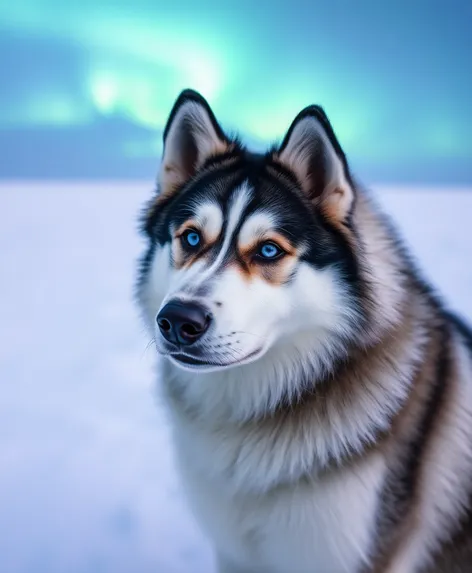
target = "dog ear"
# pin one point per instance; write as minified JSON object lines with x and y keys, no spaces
{"x":311,"y":151}
{"x":192,"y":135}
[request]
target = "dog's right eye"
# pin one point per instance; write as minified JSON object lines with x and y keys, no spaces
{"x":269,"y":251}
{"x":191,"y":239}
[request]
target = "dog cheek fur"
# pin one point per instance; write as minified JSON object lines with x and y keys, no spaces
{"x":154,"y":285}
{"x":251,"y":307}
{"x":262,"y":313}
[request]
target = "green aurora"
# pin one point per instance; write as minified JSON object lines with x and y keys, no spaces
{"x":394,"y":80}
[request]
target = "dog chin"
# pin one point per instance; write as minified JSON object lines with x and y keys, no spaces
{"x":188,"y":362}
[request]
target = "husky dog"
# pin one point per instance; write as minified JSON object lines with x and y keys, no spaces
{"x":320,"y":394}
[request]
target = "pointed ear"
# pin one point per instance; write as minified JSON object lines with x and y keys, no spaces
{"x":192,"y":135}
{"x":311,"y":151}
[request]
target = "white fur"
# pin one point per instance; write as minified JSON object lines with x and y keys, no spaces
{"x":209,"y":218}
{"x":254,"y":227}
{"x":240,"y":199}
{"x":253,"y":457}
{"x":248,"y":487}
{"x":154,"y":289}
{"x":319,"y":526}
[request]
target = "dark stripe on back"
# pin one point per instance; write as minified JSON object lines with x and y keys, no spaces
{"x":455,"y":555}
{"x":403,"y":482}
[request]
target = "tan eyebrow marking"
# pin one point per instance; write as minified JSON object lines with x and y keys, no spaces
{"x":276,"y":273}
{"x":189,"y":224}
{"x":208,"y":220}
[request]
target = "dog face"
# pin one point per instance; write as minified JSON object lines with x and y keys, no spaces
{"x":248,"y":254}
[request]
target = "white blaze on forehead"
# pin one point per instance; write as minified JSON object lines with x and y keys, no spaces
{"x":209,"y":217}
{"x":240,"y":199}
{"x":255,"y":227}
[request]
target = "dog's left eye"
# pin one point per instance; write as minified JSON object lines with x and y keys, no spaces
{"x":270,"y":251}
{"x":191,"y":239}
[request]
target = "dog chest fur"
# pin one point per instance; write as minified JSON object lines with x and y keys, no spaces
{"x":320,"y":524}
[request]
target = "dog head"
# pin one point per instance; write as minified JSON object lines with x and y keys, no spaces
{"x":249,"y":255}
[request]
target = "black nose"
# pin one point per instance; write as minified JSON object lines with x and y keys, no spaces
{"x":183,"y":322}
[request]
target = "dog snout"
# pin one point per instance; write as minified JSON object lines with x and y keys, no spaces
{"x":183,"y":323}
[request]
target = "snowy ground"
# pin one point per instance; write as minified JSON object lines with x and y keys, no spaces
{"x":86,"y":476}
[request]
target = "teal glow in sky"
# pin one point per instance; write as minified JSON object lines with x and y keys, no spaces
{"x":87,"y":86}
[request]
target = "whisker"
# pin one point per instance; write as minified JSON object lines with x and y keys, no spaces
{"x":235,"y":353}
{"x":250,"y":333}
{"x":148,"y":345}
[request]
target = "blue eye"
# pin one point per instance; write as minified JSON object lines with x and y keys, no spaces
{"x":192,"y":238}
{"x":270,"y":251}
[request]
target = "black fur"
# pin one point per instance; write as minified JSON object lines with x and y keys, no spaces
{"x":299,"y":221}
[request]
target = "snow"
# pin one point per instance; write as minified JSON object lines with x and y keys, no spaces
{"x":87,"y":482}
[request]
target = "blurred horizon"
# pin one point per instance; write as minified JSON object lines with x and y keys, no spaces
{"x":90,"y":84}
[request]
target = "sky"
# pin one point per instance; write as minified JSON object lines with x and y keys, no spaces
{"x":87,"y":86}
